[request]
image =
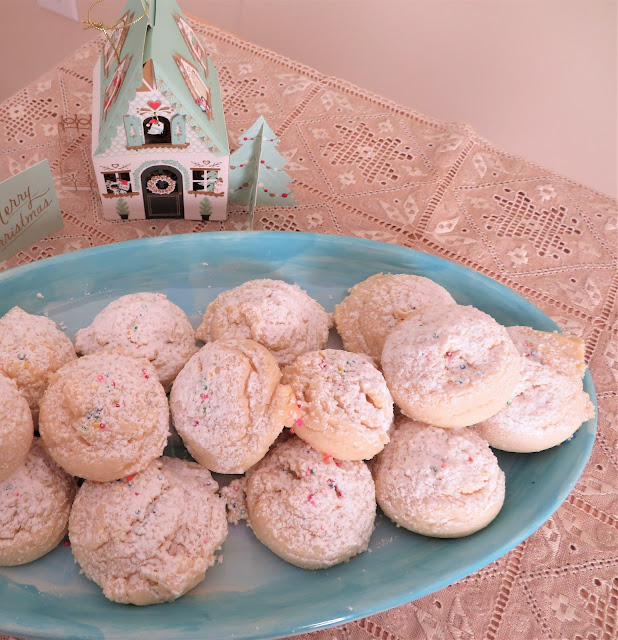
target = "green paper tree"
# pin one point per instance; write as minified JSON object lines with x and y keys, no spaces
{"x":122,"y":208}
{"x":206,"y":208}
{"x":256,"y":170}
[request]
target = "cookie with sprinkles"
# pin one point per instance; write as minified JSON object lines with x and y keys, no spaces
{"x":149,"y":538}
{"x":450,"y":366}
{"x":16,"y":428}
{"x":32,"y":348}
{"x":375,"y":306}
{"x":35,"y":501}
{"x":444,"y":483}
{"x":308,"y":508}
{"x":145,"y":325}
{"x":228,"y":404}
{"x":280,"y":316}
{"x":346,"y":409}
{"x":104,"y":416}
{"x":549,"y":404}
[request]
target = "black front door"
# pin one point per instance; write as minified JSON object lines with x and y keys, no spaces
{"x":162,"y":189}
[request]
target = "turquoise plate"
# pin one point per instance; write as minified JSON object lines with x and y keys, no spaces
{"x":252,"y":593}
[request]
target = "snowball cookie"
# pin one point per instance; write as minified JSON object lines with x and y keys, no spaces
{"x":104,"y":416}
{"x":450,"y":366}
{"x":16,"y":428}
{"x":146,"y":325}
{"x":548,"y":405}
{"x":228,"y":406}
{"x":309,"y":509}
{"x":346,"y":409}
{"x":151,"y":537}
{"x":31,"y":349}
{"x":278,"y":315}
{"x":34,"y":508}
{"x":444,"y":483}
{"x":378,"y":304}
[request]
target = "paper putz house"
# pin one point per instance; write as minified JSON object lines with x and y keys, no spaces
{"x":159,"y":143}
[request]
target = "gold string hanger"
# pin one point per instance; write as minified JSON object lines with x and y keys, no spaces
{"x":119,"y":24}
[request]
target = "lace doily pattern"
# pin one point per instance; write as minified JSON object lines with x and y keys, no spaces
{"x":370,"y":168}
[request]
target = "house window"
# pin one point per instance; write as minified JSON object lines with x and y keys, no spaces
{"x":204,"y":179}
{"x":118,"y":183}
{"x":157,"y":130}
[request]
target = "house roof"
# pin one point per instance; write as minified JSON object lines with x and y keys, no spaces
{"x":158,"y":43}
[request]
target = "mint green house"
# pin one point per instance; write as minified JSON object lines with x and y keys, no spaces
{"x":159,"y":143}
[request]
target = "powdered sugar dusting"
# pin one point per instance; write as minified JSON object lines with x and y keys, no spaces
{"x":346,"y":408}
{"x":377,"y":305}
{"x":34,"y":508}
{"x":440,"y":482}
{"x":146,"y":325}
{"x":151,"y":537}
{"x":104,"y":416}
{"x":228,"y":406}
{"x":31,"y":349}
{"x":16,"y":427}
{"x":310,"y":509}
{"x":450,"y":366}
{"x":277,"y":315}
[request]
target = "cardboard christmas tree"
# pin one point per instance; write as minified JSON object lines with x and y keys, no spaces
{"x":256,"y":170}
{"x":159,"y":141}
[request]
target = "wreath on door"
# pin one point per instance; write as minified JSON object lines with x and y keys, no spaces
{"x":153,"y":184}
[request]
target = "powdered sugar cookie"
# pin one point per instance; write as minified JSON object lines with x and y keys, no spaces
{"x":444,"y":483}
{"x":149,"y":539}
{"x":346,"y":409}
{"x":31,"y":349}
{"x":450,"y":366}
{"x":228,"y":406}
{"x":309,"y":509}
{"x":548,"y":405}
{"x":146,"y":325}
{"x":34,"y":508}
{"x":16,"y":428}
{"x":378,"y":304}
{"x":278,"y":315}
{"x":104,"y":416}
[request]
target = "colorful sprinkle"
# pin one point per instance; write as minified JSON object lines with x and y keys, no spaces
{"x":434,"y":469}
{"x":145,"y":374}
{"x":299,"y":423}
{"x":509,"y":402}
{"x":129,"y":478}
{"x":310,"y":499}
{"x":470,"y":459}
{"x":462,"y":366}
{"x":66,"y":543}
{"x":235,"y":487}
{"x":327,"y":457}
{"x":448,"y":353}
{"x":100,"y":378}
